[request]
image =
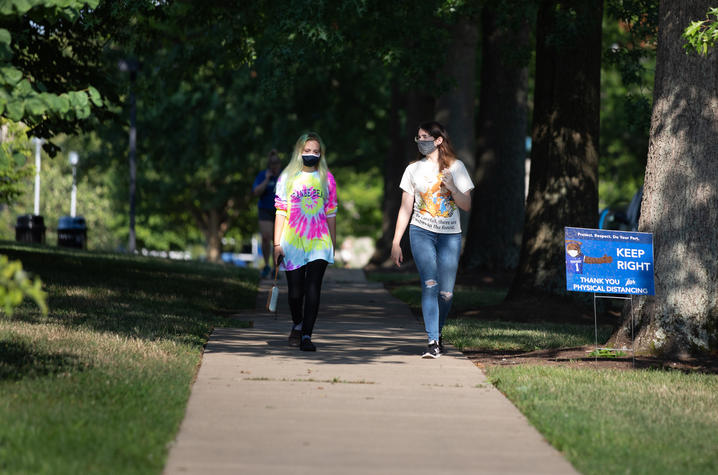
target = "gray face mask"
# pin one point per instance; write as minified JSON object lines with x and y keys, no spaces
{"x":426,"y":146}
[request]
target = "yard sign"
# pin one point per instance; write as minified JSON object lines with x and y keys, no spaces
{"x":609,"y":262}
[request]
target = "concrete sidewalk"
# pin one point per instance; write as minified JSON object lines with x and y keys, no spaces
{"x":365,"y":402}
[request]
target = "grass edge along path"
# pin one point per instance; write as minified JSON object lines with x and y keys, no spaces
{"x":101,"y":383}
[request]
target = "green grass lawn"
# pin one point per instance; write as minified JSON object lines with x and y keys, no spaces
{"x":615,"y":421}
{"x":100,"y":384}
{"x":469,"y":334}
{"x":603,"y":421}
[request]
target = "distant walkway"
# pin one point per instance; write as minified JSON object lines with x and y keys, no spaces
{"x":364,"y":403}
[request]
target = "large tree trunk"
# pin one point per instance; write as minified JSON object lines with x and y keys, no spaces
{"x":419,"y":108}
{"x":680,"y":199}
{"x":455,"y":108}
{"x":563,"y":187}
{"x":494,"y":234}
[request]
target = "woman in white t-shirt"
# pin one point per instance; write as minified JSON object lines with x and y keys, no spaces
{"x":434,"y":187}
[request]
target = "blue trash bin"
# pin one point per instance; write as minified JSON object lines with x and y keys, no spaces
{"x":72,"y":232}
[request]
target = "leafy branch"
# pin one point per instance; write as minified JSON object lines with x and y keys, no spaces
{"x":22,"y":98}
{"x":701,"y":35}
{"x":15,"y":285}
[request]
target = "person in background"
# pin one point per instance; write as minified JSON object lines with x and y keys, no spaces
{"x":263,"y":187}
{"x":305,"y":232}
{"x":434,"y":187}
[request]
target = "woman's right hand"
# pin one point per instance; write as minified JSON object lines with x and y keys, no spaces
{"x":278,"y":252}
{"x":396,"y":255}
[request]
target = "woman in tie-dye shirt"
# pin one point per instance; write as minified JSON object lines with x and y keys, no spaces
{"x":305,"y":232}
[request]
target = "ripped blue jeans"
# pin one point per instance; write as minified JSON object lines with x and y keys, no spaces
{"x":437,"y":258}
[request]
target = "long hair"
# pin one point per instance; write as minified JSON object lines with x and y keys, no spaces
{"x":296,"y":163}
{"x":447,"y":155}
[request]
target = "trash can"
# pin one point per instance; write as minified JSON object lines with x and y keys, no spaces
{"x":30,"y":228}
{"x":72,"y":232}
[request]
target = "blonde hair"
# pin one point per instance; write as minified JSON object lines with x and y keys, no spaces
{"x":294,"y":168}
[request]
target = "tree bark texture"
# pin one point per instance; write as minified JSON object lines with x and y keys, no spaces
{"x":497,"y":218}
{"x":680,"y":199}
{"x":419,"y":108}
{"x":455,"y":108}
{"x":563,"y":188}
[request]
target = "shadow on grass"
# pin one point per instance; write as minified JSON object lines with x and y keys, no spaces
{"x":20,"y":360}
{"x":134,"y":296}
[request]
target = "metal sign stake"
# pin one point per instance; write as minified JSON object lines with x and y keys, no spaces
{"x":595,"y":326}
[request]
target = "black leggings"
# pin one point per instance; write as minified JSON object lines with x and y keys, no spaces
{"x":305,"y":285}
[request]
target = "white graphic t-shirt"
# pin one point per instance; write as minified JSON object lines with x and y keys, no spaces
{"x":434,"y":208}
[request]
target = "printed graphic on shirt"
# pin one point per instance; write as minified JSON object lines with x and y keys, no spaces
{"x":306,"y":234}
{"x":434,"y":206}
{"x":437,"y":200}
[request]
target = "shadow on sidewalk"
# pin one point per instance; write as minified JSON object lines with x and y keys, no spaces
{"x":357,"y":323}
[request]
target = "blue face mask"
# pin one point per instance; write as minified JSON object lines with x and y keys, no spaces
{"x":310,"y":160}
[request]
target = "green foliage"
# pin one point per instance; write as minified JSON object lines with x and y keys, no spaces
{"x":229,"y":83}
{"x":24,"y":96}
{"x":606,"y":353}
{"x":68,"y":8}
{"x":15,"y":286}
{"x":702,"y":35}
{"x":14,"y":169}
{"x":96,"y":190}
{"x":360,"y":194}
{"x":629,"y":34}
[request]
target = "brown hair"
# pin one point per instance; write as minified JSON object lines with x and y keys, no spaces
{"x":447,"y":155}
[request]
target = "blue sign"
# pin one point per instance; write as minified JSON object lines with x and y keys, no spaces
{"x":609,"y":262}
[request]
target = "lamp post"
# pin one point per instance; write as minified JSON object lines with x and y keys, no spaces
{"x":38,"y":162}
{"x":132,"y":66}
{"x":74,"y":159}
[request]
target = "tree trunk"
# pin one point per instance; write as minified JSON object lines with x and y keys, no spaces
{"x":494,"y":233}
{"x":563,"y":187}
{"x":455,"y":109}
{"x":419,"y":108}
{"x":680,"y":199}
{"x":211,"y":227}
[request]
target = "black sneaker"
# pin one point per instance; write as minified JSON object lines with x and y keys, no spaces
{"x":307,"y":345}
{"x":432,"y":351}
{"x":441,"y":344}
{"x":295,"y":337}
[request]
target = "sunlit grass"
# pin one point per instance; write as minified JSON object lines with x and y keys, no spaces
{"x":613,"y":421}
{"x":100,"y":383}
{"x":469,"y":334}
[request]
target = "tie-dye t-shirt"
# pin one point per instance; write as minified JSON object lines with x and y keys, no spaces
{"x":305,"y":236}
{"x":434,"y":207}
